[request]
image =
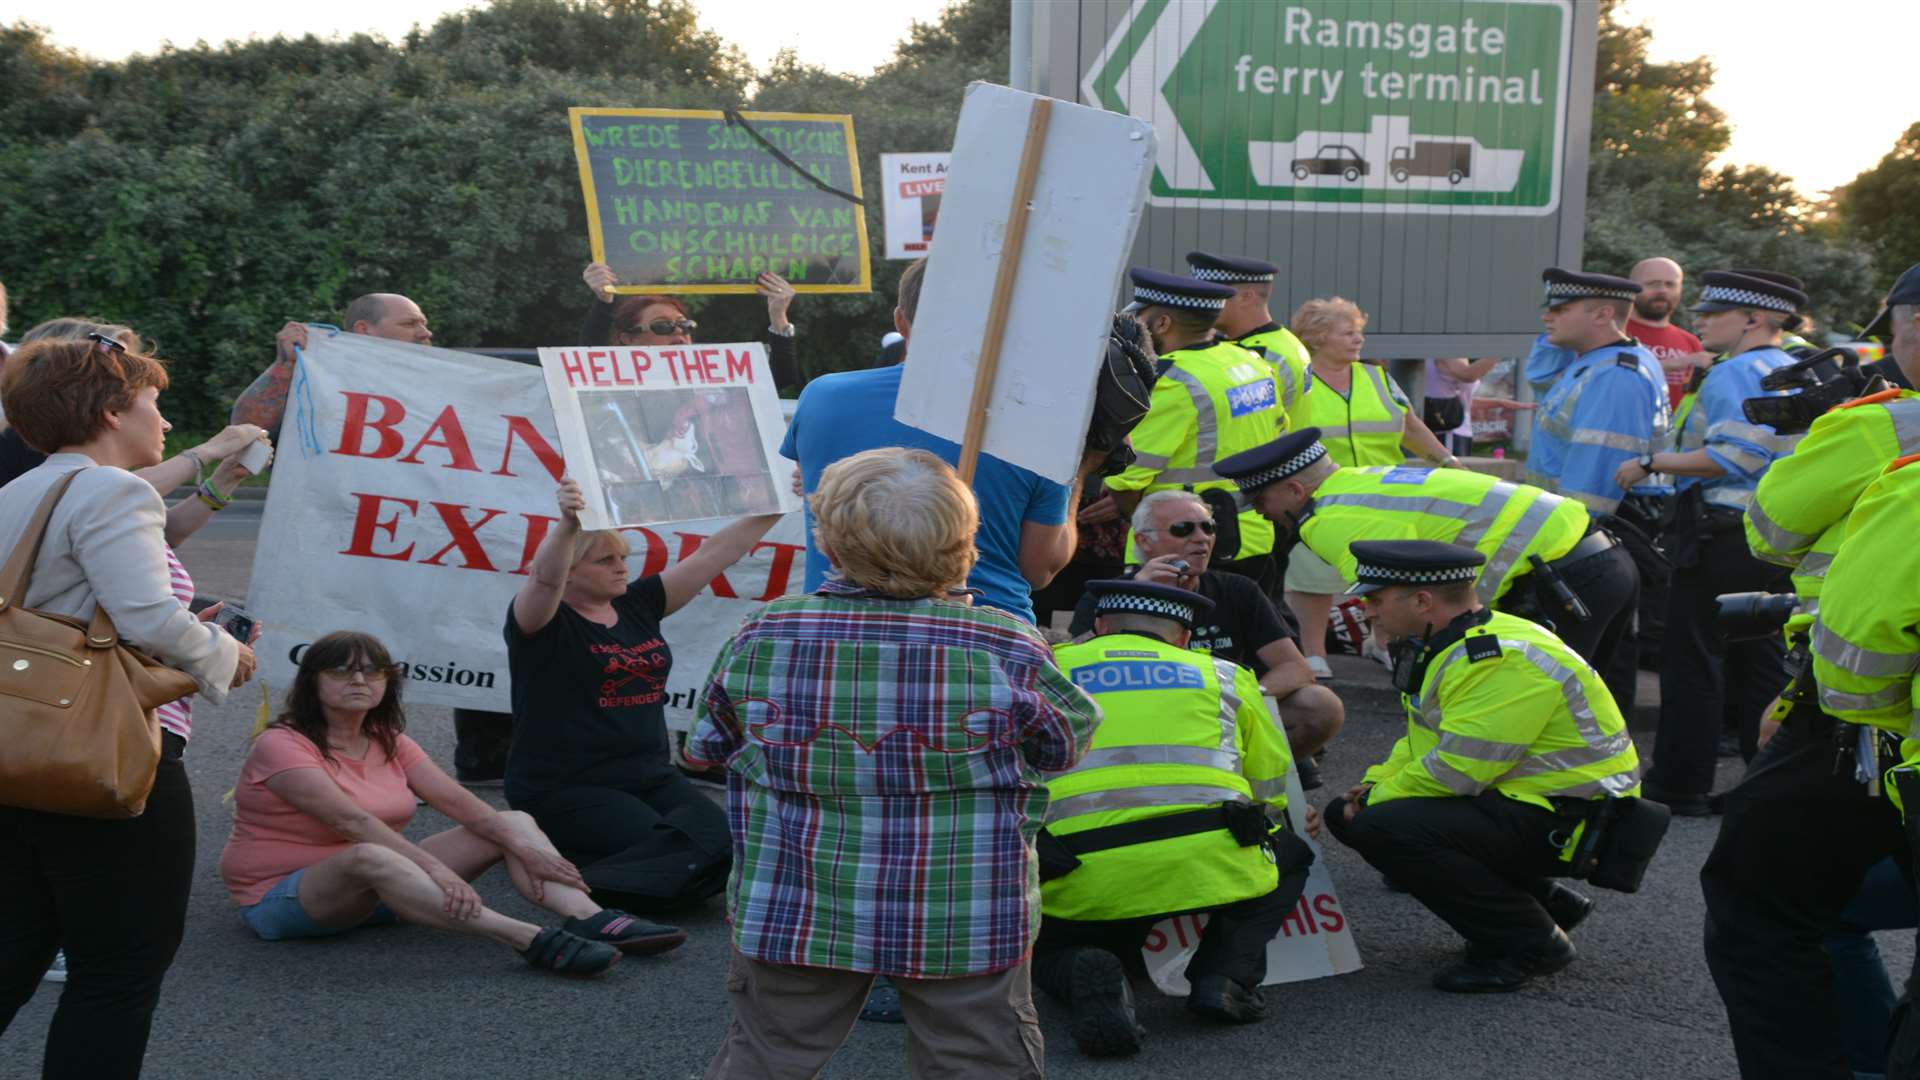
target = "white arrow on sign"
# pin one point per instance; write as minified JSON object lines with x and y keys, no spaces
{"x":1142,"y":84}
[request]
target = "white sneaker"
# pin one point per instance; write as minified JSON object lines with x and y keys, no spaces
{"x":57,"y":971}
{"x":1320,"y":669}
{"x":1372,"y":651}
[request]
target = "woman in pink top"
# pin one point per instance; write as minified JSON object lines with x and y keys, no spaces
{"x":317,"y":848}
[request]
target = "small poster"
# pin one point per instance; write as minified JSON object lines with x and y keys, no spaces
{"x":676,"y":433}
{"x":910,"y":194}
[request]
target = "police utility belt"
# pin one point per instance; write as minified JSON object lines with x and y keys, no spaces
{"x":1615,"y":840}
{"x":1547,"y":582}
{"x":1060,"y":855}
{"x":1861,"y":749}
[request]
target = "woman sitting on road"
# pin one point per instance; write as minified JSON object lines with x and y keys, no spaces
{"x":316,"y":848}
{"x":589,"y":758}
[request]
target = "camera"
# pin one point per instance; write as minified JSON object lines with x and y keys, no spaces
{"x":1128,"y":370}
{"x":1751,"y":616}
{"x":1824,"y":380}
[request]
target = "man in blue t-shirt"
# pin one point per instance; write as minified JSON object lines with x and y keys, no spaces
{"x":1026,"y":531}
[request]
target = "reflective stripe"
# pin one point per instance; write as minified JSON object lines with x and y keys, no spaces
{"x":1289,"y":386}
{"x":1495,"y":503}
{"x":1188,"y":476}
{"x":1617,"y":785}
{"x":1467,"y":746}
{"x":1833,"y":700}
{"x":1612,"y":440}
{"x":1449,"y":777}
{"x":1206,"y":435}
{"x":1523,"y":533}
{"x":1570,"y":688}
{"x":1149,"y":461}
{"x":1574,"y":757}
{"x":1224,"y":672}
{"x":1776,"y":537}
{"x":1378,"y":427}
{"x":1453,"y":508}
{"x":1267,"y":790}
{"x":1814,"y":564}
{"x":1332,"y":431}
{"x":1733,"y":498}
{"x":1857,"y":659}
{"x":1141,"y":798}
{"x":1905,"y":414}
{"x":1224,"y":760}
{"x":1396,"y":412}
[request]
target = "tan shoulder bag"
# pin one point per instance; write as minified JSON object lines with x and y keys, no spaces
{"x":77,"y":728}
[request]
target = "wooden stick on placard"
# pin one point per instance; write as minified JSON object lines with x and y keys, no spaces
{"x":1017,"y":213}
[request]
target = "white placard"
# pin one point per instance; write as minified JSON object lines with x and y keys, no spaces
{"x":410,"y":489}
{"x":911,"y":186}
{"x":1085,"y":209}
{"x":659,"y":434}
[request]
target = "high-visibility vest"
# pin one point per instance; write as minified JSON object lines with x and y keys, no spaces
{"x":1290,"y":361}
{"x":1504,"y":521}
{"x":1366,"y":425}
{"x":1509,"y":707}
{"x":1798,"y":514}
{"x":1208,"y":403}
{"x":1179,"y":731}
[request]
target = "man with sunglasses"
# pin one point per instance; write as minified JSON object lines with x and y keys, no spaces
{"x":1174,"y":532}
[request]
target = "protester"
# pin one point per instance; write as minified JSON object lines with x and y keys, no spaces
{"x":323,"y":798}
{"x":92,"y":407}
{"x":852,"y":787}
{"x":590,"y":759}
{"x":1455,"y":379}
{"x":1100,"y":552}
{"x":1651,"y":324}
{"x":663,"y":320}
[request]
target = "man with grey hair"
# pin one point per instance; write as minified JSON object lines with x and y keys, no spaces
{"x":1174,"y":532}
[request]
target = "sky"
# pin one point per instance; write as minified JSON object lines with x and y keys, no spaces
{"x":1808,"y":88}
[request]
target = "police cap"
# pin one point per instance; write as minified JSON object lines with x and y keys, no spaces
{"x":1566,"y":286}
{"x":1230,"y":269}
{"x":1411,"y":562}
{"x":1151,"y":288}
{"x":1251,"y":470}
{"x":1130,"y":596}
{"x":1906,"y":290}
{"x":1728,"y":290}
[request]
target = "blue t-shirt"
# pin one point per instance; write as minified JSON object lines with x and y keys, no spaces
{"x":841,"y":415}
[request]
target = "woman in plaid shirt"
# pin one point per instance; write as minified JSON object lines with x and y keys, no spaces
{"x":884,"y":741}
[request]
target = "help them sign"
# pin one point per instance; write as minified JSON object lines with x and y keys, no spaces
{"x":1372,"y":105}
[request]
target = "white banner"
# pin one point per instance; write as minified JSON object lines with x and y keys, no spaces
{"x":411,"y":488}
{"x":910,"y":189}
{"x":1314,"y":942}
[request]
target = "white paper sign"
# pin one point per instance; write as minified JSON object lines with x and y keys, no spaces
{"x":411,"y":488}
{"x":911,"y":186}
{"x":1315,"y":941}
{"x":1085,"y":209}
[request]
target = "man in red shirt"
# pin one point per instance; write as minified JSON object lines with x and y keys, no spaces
{"x":1651,"y":324}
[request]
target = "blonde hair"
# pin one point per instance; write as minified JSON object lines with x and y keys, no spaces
{"x":897,"y":521}
{"x":1317,"y":320}
{"x":584,"y":541}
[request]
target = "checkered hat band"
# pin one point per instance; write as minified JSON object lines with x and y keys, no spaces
{"x":1283,"y":470}
{"x":1208,"y":273}
{"x":1392,"y":575}
{"x":1573,"y":290}
{"x":1135,"y":604}
{"x":1170,"y":299}
{"x":1721,"y":294}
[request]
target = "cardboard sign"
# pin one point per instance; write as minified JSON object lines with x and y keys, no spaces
{"x":1315,"y":941}
{"x":410,"y":491}
{"x":910,"y":196}
{"x":688,"y":201}
{"x":659,"y":434}
{"x":1085,"y":206}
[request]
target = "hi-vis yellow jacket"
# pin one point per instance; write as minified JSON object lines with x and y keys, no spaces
{"x":1363,"y":427}
{"x":1179,"y":731}
{"x":1866,"y":644}
{"x":1289,"y":358}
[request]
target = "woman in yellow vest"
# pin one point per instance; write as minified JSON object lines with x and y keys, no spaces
{"x":1364,"y":419}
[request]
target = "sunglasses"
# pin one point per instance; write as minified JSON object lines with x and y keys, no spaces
{"x":663,"y":327}
{"x":350,"y":670}
{"x":1183,"y":529}
{"x":103,"y":343}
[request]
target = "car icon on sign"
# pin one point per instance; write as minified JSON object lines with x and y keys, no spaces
{"x":1335,"y":160}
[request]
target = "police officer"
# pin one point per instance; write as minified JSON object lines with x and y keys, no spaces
{"x":1294,"y":483}
{"x":1179,"y":807}
{"x":1512,"y":741}
{"x":1823,"y":801}
{"x":1899,"y":320}
{"x":1212,"y":399}
{"x":1248,"y":320}
{"x":1707,"y":681}
{"x":1608,"y":405}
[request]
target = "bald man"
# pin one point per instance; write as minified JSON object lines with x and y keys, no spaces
{"x":382,"y":315}
{"x":1652,"y":324}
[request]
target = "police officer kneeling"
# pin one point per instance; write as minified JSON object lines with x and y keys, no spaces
{"x":1178,"y":808}
{"x":1502,"y":784}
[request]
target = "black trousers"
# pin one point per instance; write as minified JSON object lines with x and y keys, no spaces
{"x":1482,"y":864}
{"x":1609,"y":585}
{"x":645,"y":849}
{"x":114,"y":895}
{"x":1798,"y":837}
{"x":480,"y":743}
{"x":1234,"y":942}
{"x":1708,"y":683}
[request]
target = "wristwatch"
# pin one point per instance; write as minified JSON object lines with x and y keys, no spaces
{"x":1646,"y":464}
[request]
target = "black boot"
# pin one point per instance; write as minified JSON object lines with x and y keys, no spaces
{"x":1309,"y":773}
{"x":1222,"y":998}
{"x":1482,"y":973}
{"x":1103,"y":1020}
{"x":1568,"y":906}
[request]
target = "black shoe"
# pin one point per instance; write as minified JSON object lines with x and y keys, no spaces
{"x":1220,"y":997}
{"x":1481,"y":973}
{"x":1680,"y":805}
{"x":1309,"y":773}
{"x":1568,"y":907}
{"x":1103,"y":1020}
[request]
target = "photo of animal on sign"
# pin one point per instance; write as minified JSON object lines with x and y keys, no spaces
{"x":665,"y":434}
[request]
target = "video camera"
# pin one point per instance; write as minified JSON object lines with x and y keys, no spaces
{"x":1128,"y":370}
{"x":1823,"y":380}
{"x":1751,"y":616}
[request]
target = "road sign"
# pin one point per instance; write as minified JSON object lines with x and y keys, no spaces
{"x":1423,"y":158}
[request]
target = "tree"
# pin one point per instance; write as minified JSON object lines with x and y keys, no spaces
{"x":1876,"y":209}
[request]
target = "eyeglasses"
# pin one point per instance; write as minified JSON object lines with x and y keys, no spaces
{"x":663,"y":327}
{"x":1185,"y":529}
{"x":348,"y":671}
{"x":103,"y":343}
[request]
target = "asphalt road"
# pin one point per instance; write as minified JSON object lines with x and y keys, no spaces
{"x":407,"y":1002}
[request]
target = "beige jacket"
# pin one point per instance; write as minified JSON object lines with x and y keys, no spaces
{"x":106,"y":546}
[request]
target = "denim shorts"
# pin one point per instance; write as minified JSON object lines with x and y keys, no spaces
{"x":279,"y":917}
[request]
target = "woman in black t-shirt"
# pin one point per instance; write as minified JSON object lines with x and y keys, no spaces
{"x":589,"y":757}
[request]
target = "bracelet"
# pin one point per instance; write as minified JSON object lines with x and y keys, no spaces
{"x":199,"y":464}
{"x":214,"y":500}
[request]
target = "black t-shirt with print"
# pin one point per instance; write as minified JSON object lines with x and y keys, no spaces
{"x":1243,"y":620}
{"x":589,"y":701}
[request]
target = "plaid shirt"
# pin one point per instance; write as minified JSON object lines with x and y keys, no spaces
{"x":882,"y":785}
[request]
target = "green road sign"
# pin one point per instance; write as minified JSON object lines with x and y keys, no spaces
{"x":1388,"y":106}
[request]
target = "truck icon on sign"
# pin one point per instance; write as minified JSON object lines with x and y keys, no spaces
{"x":1427,"y":157}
